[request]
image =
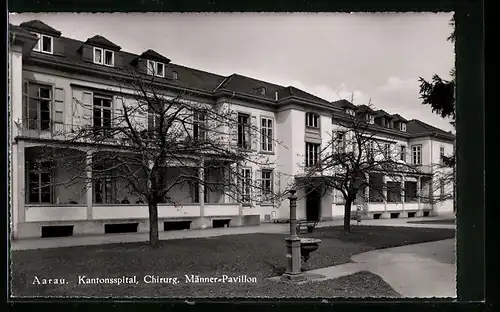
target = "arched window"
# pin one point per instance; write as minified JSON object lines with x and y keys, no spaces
{"x":312,"y":120}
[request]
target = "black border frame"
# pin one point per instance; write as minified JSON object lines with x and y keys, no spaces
{"x":471,"y":148}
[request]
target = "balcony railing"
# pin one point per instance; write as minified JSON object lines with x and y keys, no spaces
{"x":46,"y":130}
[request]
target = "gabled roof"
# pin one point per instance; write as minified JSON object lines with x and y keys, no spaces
{"x":345,"y":104}
{"x":417,"y":127}
{"x":100,"y":41}
{"x":154,"y":56}
{"x":397,"y":117}
{"x":21,"y":31}
{"x":41,"y":27}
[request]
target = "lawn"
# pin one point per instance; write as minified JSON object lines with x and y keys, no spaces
{"x":444,"y":221}
{"x":257,"y":256}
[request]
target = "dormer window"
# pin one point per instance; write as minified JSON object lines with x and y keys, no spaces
{"x":104,"y":57}
{"x":402,"y":126}
{"x":156,"y":68}
{"x":45,"y":44}
{"x":175,"y":75}
{"x":369,"y":119}
{"x":350,"y":112}
{"x":312,"y":120}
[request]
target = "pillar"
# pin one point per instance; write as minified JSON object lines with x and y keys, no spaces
{"x":419,"y":191}
{"x":201,"y":187}
{"x":367,"y":189}
{"x":384,"y":191}
{"x":403,"y":192}
{"x":292,"y":243}
{"x":89,"y":197}
{"x":19,"y":191}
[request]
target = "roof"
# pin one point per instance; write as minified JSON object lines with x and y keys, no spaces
{"x":382,"y":113}
{"x":345,"y":104}
{"x":19,"y":30}
{"x":102,"y":42}
{"x":417,"y":127}
{"x":155,"y":56}
{"x":364,"y":109}
{"x":397,"y":117}
{"x":41,"y":27}
{"x":194,"y":78}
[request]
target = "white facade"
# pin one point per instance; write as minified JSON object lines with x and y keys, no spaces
{"x":70,"y":206}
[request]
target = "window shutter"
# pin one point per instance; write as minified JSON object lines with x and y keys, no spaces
{"x":87,"y":102}
{"x":58,"y":46}
{"x":254,"y":133}
{"x":233,"y":128}
{"x":258,"y":185}
{"x":276,"y":185}
{"x":188,"y":120}
{"x":59,"y":105}
{"x":77,"y":109}
{"x":142,"y":66}
{"x":117,"y":111}
{"x":88,"y":53}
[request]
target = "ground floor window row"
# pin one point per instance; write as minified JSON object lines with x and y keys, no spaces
{"x":43,"y":188}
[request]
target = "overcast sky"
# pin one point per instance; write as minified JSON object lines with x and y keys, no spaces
{"x":373,"y":55}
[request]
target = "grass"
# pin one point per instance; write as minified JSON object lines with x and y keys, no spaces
{"x":444,"y":221}
{"x":255,"y":255}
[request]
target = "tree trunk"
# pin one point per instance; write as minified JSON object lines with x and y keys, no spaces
{"x":347,"y":216}
{"x":153,"y":224}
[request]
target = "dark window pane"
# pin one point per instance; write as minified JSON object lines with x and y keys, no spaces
{"x":44,"y":93}
{"x":46,"y":44}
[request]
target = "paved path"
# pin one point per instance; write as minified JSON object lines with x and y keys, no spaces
{"x":282,"y":228}
{"x":420,"y":270}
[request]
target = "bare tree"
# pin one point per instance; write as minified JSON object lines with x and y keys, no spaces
{"x":157,"y":141}
{"x":353,"y":153}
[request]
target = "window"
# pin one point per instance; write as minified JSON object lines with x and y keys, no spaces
{"x":312,"y":154}
{"x":350,"y":112}
{"x":39,"y":182}
{"x":369,"y":118}
{"x":175,"y":75}
{"x":402,"y":154}
{"x":262,"y":91}
{"x":370,"y":152}
{"x":246,"y":184}
{"x":416,"y":151}
{"x":156,"y":68}
{"x":104,"y":57}
{"x":102,"y":114}
{"x":45,"y":44}
{"x":312,"y":120}
{"x":402,"y":126}
{"x":154,"y":119}
{"x":266,"y":130}
{"x":244,"y":131}
{"x":387,"y":151}
{"x":109,"y":58}
{"x":441,"y":155}
{"x":339,"y":146}
{"x":267,"y":185}
{"x":103,"y":185}
{"x":37,"y":101}
{"x":199,"y":125}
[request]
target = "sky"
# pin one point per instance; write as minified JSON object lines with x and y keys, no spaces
{"x":372,"y":58}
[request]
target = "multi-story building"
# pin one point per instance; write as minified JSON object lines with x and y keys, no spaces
{"x":49,"y":72}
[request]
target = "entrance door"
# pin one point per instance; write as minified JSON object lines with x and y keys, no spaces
{"x":313,"y":205}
